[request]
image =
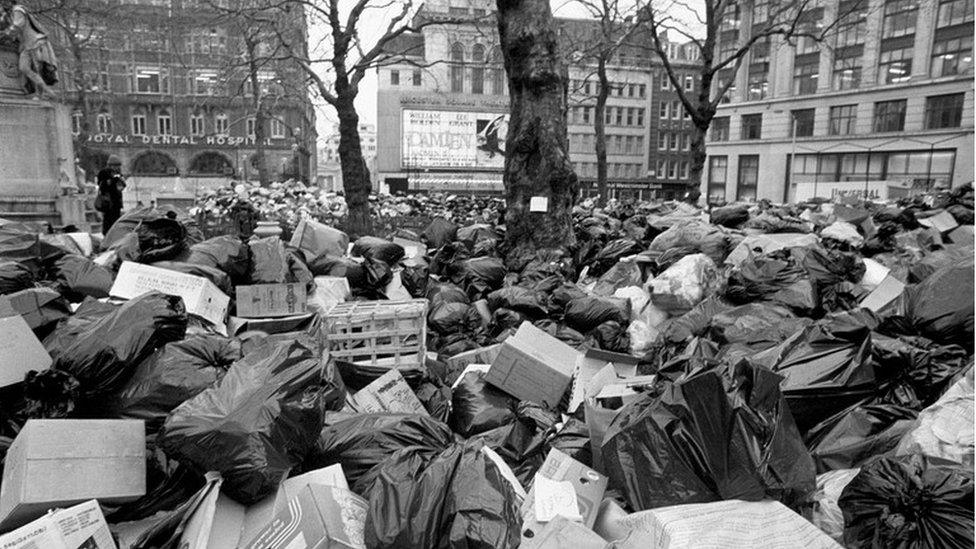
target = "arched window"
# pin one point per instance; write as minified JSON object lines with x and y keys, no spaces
{"x":211,"y":163}
{"x":221,"y":124}
{"x":457,"y":68}
{"x":154,"y":163}
{"x":497,"y":72}
{"x":76,"y":119}
{"x":478,"y":69}
{"x":104,"y":122}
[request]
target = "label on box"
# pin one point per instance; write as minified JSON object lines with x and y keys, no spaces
{"x":78,"y":527}
{"x":389,"y":393}
{"x":271,"y":300}
{"x":201,"y":297}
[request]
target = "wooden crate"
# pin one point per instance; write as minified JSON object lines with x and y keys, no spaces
{"x":380,"y":334}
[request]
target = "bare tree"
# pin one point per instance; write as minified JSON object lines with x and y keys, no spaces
{"x":537,"y":166}
{"x":791,"y":20}
{"x":596,"y":46}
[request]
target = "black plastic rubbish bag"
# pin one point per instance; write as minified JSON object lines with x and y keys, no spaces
{"x":161,"y":239}
{"x":621,"y":275}
{"x":607,"y":256}
{"x":78,"y":277}
{"x":477,"y":407}
{"x":857,"y":434}
{"x":261,"y":421}
{"x":227,"y":253}
{"x":363,"y":441}
{"x":524,"y":443}
{"x":729,"y":216}
{"x":909,"y":501}
{"x":446,"y":262}
{"x":174,"y":374}
{"x":718,"y":434}
{"x":482,"y":275}
{"x":472,"y":235}
{"x":68,"y":331}
{"x":586,"y":313}
{"x":436,"y":398}
{"x":941,"y":307}
{"x":378,"y":248}
{"x":14,"y":277}
{"x":269,"y":264}
{"x":562,"y":332}
{"x":23,"y":244}
{"x":757,"y":325}
{"x":531,"y":303}
{"x":415,"y":276}
{"x":105,"y":354}
{"x":827,"y":366}
{"x":776,"y":278}
{"x":453,"y":318}
{"x":454,"y":498}
{"x":611,"y":336}
{"x":440,"y":232}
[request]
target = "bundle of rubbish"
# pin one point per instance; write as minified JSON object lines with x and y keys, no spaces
{"x":755,"y":375}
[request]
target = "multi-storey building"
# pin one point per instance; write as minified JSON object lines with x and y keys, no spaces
{"x":167,"y":87}
{"x":329,"y":166}
{"x":883,"y":108}
{"x":442,"y":112}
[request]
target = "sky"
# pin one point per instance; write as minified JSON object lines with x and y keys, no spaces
{"x":326,"y":120}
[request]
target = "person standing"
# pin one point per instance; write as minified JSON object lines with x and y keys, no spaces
{"x":110,"y":187}
{"x":37,"y":60}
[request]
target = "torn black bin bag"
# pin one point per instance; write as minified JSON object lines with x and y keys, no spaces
{"x":720,"y":433}
{"x":776,"y":277}
{"x":857,"y":434}
{"x":478,"y":407}
{"x":78,"y":277}
{"x":457,"y":497}
{"x":415,"y":276}
{"x":378,"y":248}
{"x":827,"y":366}
{"x":524,"y":442}
{"x":607,"y":256}
{"x":174,"y":374}
{"x":909,"y":501}
{"x":447,"y":261}
{"x":914,"y":371}
{"x":104,"y":355}
{"x":261,"y":421}
{"x":363,"y":441}
{"x":611,"y":336}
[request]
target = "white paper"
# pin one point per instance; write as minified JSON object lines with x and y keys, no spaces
{"x":555,"y":498}
{"x":79,"y":527}
{"x":539,"y":204}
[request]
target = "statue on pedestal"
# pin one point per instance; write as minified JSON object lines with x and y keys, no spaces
{"x":36,"y":61}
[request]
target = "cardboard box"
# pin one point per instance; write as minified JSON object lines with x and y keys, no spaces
{"x":329,"y":292}
{"x":62,"y":462}
{"x":271,"y":300}
{"x":389,"y":393}
{"x":319,"y":239}
{"x":20,"y":350}
{"x":587,"y":483}
{"x":201,"y":297}
{"x":561,"y":533}
{"x":942,"y":222}
{"x":484,"y":355}
{"x":80,"y":527}
{"x":38,"y":306}
{"x":884,"y":295}
{"x":534,"y":366}
{"x":592,"y":361}
{"x":321,"y":517}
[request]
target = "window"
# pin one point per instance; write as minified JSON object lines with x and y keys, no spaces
{"x":630,"y":117}
{"x":586,"y":114}
{"x":689,"y":83}
{"x":203,"y":83}
{"x":943,"y":111}
{"x":673,"y":169}
{"x":478,"y":69}
{"x":103,"y":122}
{"x":752,"y":126}
{"x":640,"y":118}
{"x":730,"y":17}
{"x":748,"y":177}
{"x":802,"y":122}
{"x":220,"y":124}
{"x":394,"y":78}
{"x":952,"y":56}
{"x":806,"y":74}
{"x":76,"y":118}
{"x":164,"y":123}
{"x":686,"y":144}
{"x":852,"y":25}
{"x":641,"y":90}
{"x":676,"y":110}
{"x":896,"y":65}
{"x":760,"y":11}
{"x":842,"y":119}
{"x":758,"y":81}
{"x":725,"y":77}
{"x":151,"y":80}
{"x":457,"y":68}
{"x":899,"y":18}
{"x":889,"y":116}
{"x":417,"y":77}
{"x":251,"y":128}
{"x":954,"y":12}
{"x":608,"y":115}
{"x":672,"y":141}
{"x":197,"y":126}
{"x":685,"y":169}
{"x":718,"y":168}
{"x":662,"y":142}
{"x":665,"y":110}
{"x":497,"y":72}
{"x":620,"y":116}
{"x":662,"y":169}
{"x":760,"y":50}
{"x":138,"y":124}
{"x":847,"y":73}
{"x":665,"y":81}
{"x":277,"y":129}
{"x":720,"y":128}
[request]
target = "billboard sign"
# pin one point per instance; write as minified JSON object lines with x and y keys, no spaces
{"x":451,"y":139}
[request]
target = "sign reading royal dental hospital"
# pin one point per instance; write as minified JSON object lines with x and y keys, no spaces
{"x":175,"y":140}
{"x":451,"y":139}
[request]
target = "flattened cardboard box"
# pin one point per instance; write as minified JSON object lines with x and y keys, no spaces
{"x":62,"y":462}
{"x":321,"y":517}
{"x":534,"y":366}
{"x":20,"y":350}
{"x":588,"y":484}
{"x":80,"y":527}
{"x":318,"y":238}
{"x":389,"y":393}
{"x":201,"y":297}
{"x":271,"y":300}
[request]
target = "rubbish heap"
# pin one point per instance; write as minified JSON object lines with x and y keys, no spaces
{"x":756,"y":375}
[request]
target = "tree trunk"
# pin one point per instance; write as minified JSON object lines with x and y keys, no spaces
{"x":355,"y":174}
{"x":698,"y":157}
{"x":260,"y":117}
{"x":600,"y":126}
{"x":537,"y":158}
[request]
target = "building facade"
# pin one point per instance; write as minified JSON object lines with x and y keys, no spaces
{"x":168,"y":89}
{"x":330,"y":169}
{"x":442,"y":113}
{"x":883,"y":108}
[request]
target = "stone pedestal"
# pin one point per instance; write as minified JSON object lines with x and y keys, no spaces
{"x":36,"y":149}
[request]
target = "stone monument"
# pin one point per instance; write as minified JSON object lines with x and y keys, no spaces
{"x":36,"y":151}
